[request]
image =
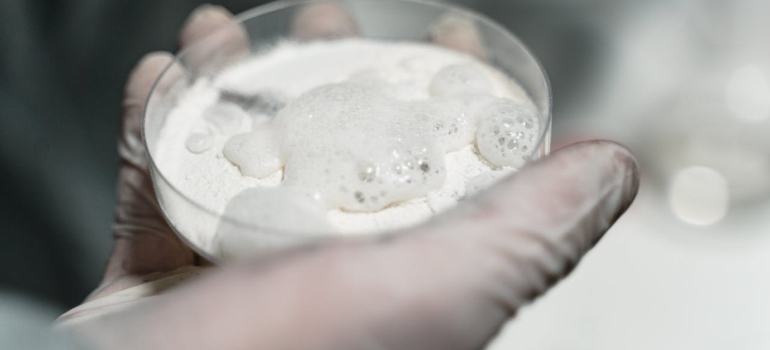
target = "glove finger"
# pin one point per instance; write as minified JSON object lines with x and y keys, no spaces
{"x":144,"y":243}
{"x":323,"y":21}
{"x":459,"y":34}
{"x":211,"y":38}
{"x":141,"y":79}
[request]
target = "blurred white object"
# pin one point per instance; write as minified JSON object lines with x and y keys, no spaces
{"x":699,"y":195}
{"x":686,"y":84}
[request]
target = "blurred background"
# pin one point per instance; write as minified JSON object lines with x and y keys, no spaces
{"x":684,"y":83}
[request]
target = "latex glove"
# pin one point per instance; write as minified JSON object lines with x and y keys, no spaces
{"x":448,"y":284}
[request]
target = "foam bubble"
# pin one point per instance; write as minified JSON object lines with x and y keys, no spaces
{"x":453,"y":119}
{"x":198,"y":143}
{"x":460,"y":79}
{"x":508,"y":133}
{"x":256,"y":154}
{"x":358,"y":147}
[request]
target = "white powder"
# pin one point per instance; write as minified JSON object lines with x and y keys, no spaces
{"x":191,"y":151}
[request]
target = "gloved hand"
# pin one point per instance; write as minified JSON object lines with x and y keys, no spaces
{"x":448,"y":284}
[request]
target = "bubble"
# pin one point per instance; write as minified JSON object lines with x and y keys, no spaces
{"x":226,"y":118}
{"x":256,"y":154}
{"x":507,"y":134}
{"x":460,"y":79}
{"x":453,"y":119}
{"x":198,"y":143}
{"x":367,"y":173}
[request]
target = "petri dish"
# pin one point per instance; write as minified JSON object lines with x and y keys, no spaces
{"x":197,"y":223}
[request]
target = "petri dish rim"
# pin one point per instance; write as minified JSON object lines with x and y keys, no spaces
{"x":284,"y":4}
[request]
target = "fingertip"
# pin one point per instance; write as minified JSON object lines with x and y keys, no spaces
{"x":145,"y":73}
{"x":620,"y":160}
{"x":155,"y":56}
{"x":208,"y":11}
{"x":598,"y":151}
{"x":212,"y":38}
{"x":202,"y":20}
{"x":590,"y":182}
{"x":459,"y":34}
{"x":322,"y":21}
{"x":632,"y":175}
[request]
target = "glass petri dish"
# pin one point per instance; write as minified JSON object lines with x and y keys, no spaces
{"x":389,"y":20}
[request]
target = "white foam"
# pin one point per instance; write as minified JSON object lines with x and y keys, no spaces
{"x":358,"y":148}
{"x":453,"y":119}
{"x":508,"y":133}
{"x":256,"y":153}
